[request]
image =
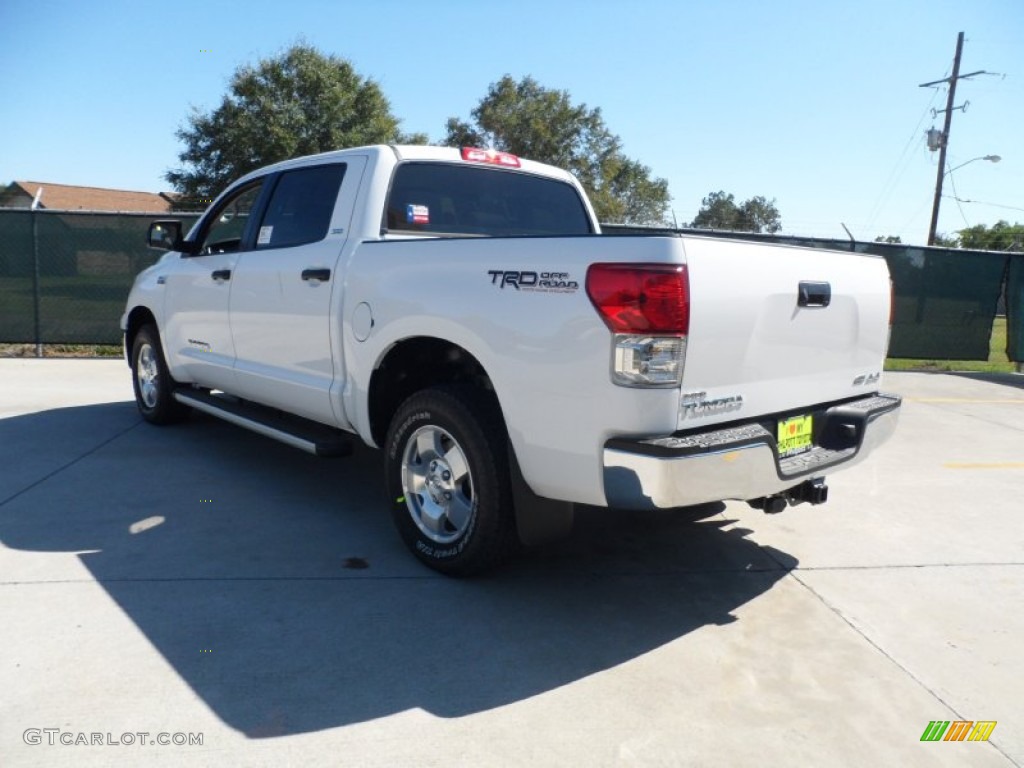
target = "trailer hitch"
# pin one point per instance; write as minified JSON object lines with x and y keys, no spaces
{"x":808,"y":492}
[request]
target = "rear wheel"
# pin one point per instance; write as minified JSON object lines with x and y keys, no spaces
{"x":449,"y":481}
{"x":152,"y":382}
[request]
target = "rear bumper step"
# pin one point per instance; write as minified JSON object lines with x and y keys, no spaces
{"x":740,"y":461}
{"x":306,"y":435}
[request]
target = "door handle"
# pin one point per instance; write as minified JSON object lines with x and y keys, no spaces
{"x":322,"y":275}
{"x":814,"y":294}
{"x":221,"y":274}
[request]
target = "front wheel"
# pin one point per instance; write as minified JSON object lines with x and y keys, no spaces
{"x":153,"y":385}
{"x":449,"y":481}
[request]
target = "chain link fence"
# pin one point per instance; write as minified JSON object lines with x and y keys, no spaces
{"x":65,"y":276}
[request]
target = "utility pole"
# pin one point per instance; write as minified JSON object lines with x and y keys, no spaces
{"x":941,"y":173}
{"x":944,"y":139}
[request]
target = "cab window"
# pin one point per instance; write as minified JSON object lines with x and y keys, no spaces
{"x":301,"y":206}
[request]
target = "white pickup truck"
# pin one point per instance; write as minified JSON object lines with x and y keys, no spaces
{"x":462,"y":311}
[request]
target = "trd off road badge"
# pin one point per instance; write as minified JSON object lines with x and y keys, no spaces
{"x":544,"y":282}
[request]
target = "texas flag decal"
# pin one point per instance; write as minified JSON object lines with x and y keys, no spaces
{"x":417,"y":214}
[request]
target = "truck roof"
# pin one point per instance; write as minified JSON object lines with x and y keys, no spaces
{"x":410,"y":152}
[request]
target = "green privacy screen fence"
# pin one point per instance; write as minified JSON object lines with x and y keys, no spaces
{"x":1015,"y":308}
{"x":64,"y":278}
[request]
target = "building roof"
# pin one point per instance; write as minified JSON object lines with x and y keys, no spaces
{"x":66,"y":197}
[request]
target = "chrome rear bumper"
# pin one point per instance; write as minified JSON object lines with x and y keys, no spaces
{"x":741,"y":461}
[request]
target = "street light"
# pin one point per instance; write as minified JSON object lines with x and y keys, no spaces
{"x":938,"y":191}
{"x":990,"y":158}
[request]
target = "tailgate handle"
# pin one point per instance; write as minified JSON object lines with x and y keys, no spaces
{"x":814,"y":294}
{"x":322,"y":275}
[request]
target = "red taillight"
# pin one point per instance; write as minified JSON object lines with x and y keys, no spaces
{"x":641,"y":298}
{"x":504,"y":159}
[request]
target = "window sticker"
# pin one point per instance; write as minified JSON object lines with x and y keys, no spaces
{"x":417,"y":214}
{"x":265,"y":233}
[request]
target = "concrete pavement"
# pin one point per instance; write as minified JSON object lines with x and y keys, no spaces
{"x":201,"y":579}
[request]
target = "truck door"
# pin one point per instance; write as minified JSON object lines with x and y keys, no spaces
{"x":197,"y":336}
{"x":281,"y":296}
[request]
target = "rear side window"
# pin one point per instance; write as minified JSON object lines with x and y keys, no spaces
{"x":444,"y":198}
{"x":300,"y":208}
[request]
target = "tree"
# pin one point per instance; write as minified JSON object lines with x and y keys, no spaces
{"x":719,"y":211}
{"x":543,"y":124}
{"x":299,"y":103}
{"x":888,"y":239}
{"x":1001,"y":236}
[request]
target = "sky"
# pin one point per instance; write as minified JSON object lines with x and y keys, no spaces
{"x":812,"y":103}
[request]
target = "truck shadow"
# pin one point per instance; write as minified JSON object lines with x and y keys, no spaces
{"x":274,"y":585}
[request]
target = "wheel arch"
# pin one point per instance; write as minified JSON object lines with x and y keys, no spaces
{"x":416,"y":363}
{"x":138,"y":317}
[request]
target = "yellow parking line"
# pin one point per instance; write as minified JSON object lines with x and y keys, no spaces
{"x":962,"y":400}
{"x":993,"y":465}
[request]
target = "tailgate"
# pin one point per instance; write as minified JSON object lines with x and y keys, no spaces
{"x":754,"y":350}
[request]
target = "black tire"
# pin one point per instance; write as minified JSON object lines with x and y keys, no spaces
{"x":448,"y":480}
{"x":152,"y":381}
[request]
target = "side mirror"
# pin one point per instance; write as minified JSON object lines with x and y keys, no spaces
{"x":165,"y":235}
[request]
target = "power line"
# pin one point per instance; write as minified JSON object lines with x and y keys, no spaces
{"x":891,"y":181}
{"x":913,"y":217}
{"x":956,"y":196}
{"x":980,"y":202}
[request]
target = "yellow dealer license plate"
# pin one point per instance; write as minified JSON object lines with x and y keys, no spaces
{"x":795,"y":435}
